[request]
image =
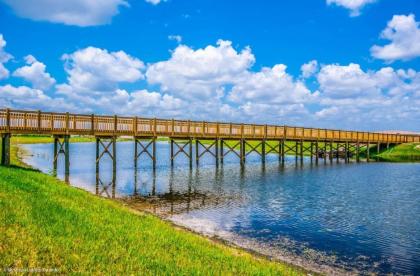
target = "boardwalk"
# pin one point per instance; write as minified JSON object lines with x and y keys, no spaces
{"x":182,"y":133}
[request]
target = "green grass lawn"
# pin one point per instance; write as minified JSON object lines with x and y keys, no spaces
{"x":401,"y":153}
{"x":44,"y":223}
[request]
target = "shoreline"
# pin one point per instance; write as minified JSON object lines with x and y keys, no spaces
{"x":249,"y":246}
{"x":18,"y":153}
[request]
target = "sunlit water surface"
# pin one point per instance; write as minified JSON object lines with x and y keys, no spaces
{"x":356,"y":218}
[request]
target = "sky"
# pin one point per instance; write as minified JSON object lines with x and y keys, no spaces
{"x":342,"y":64}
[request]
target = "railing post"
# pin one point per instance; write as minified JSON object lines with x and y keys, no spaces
{"x":39,"y":120}
{"x":217,"y":129}
{"x":52,"y":121}
{"x":67,"y":122}
{"x":135,"y":126}
{"x":8,"y":120}
{"x":265,"y":131}
{"x":92,"y":123}
{"x":154,"y":127}
{"x":173,"y":127}
{"x":115,"y":124}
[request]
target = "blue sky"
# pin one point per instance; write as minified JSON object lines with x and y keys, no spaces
{"x":163,"y":58}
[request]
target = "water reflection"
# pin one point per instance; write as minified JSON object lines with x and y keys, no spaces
{"x":354,"y":216}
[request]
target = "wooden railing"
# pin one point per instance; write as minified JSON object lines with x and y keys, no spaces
{"x":37,"y":122}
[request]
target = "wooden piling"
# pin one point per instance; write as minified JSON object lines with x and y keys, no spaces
{"x":5,"y":149}
{"x":263,"y":151}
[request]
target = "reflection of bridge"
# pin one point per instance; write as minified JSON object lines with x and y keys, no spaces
{"x":224,"y":138}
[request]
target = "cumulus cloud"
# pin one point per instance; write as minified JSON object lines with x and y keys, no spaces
{"x":270,"y":85}
{"x":383,"y":97}
{"x":77,"y":12}
{"x":404,"y":33}
{"x":4,"y":57}
{"x":354,"y":6}
{"x":94,"y":70}
{"x":217,"y":83}
{"x":27,"y":97}
{"x":200,"y":73}
{"x":309,"y":69}
{"x":35,"y":73}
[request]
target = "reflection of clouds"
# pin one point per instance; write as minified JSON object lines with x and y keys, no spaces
{"x":328,"y":208}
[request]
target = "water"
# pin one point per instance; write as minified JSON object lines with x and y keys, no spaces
{"x":353,"y":218}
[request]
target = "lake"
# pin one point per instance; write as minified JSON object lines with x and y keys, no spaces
{"x":347,"y":218}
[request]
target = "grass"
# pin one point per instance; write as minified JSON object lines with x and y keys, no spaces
{"x":41,"y":139}
{"x":401,"y":153}
{"x":46,"y":224}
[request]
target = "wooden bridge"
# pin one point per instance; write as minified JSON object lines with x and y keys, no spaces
{"x":182,"y":133}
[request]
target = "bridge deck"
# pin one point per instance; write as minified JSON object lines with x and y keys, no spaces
{"x":37,"y":122}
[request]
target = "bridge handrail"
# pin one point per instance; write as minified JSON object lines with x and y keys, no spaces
{"x":25,"y":121}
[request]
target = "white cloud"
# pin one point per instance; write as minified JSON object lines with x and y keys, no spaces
{"x":379,"y":99}
{"x":146,"y":103}
{"x":35,"y":73}
{"x":353,"y":5}
{"x":309,"y":69}
{"x":26,"y":97}
{"x":155,"y":2}
{"x":404,"y":33}
{"x":93,"y":70}
{"x":270,"y":85}
{"x":176,"y":38}
{"x":217,"y":83}
{"x":4,"y":57}
{"x":345,"y":81}
{"x":200,"y":73}
{"x":76,"y":12}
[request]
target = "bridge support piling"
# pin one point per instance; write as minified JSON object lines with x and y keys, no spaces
{"x":61,"y":146}
{"x":190,"y":152}
{"x":181,"y":148}
{"x":206,"y":149}
{"x":172,"y":151}
{"x":337,"y":150}
{"x":242,"y":151}
{"x":5,"y":149}
{"x":279,"y":151}
{"x":331,"y":152}
{"x":216,"y":149}
{"x":312,"y":151}
{"x":301,"y":152}
{"x":222,"y":153}
{"x":368,"y":152}
{"x":347,"y":154}
{"x":357,"y":151}
{"x":282,"y":151}
{"x":316,"y":152}
{"x":263,"y":151}
{"x":146,"y":146}
{"x":103,"y":147}
{"x":325,"y":152}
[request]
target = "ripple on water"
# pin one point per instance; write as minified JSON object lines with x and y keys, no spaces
{"x":346,"y":217}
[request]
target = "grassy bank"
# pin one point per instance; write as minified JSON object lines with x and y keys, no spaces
{"x":409,"y":152}
{"x":46,"y":224}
